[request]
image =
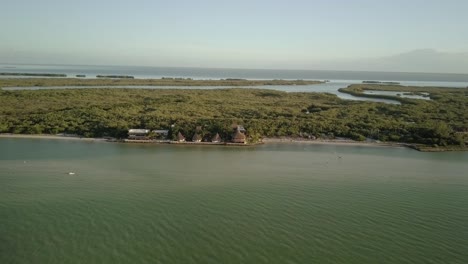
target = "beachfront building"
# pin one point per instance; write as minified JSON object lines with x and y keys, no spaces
{"x":160,"y":133}
{"x":216,"y":138}
{"x":180,"y":137}
{"x":241,"y":129}
{"x":197,"y":138}
{"x":238,"y":137}
{"x":138,"y":134}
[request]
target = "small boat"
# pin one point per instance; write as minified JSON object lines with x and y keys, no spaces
{"x":71,"y":173}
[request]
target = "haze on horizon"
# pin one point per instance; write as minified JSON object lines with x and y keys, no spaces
{"x":406,"y":36}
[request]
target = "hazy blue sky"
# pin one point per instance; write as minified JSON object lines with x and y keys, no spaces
{"x":290,"y":34}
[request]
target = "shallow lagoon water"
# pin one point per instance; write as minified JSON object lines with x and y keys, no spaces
{"x":406,"y":78}
{"x":338,"y":79}
{"x":275,"y":203}
{"x":329,"y":87}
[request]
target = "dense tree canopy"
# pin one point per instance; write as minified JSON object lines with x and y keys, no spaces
{"x":441,"y":121}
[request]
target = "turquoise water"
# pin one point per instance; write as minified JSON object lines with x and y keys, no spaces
{"x":275,"y":203}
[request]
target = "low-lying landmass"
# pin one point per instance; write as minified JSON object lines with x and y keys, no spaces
{"x":434,"y":93}
{"x":380,"y":82}
{"x":429,"y":125}
{"x":32,"y":74}
{"x":120,"y":81}
{"x":115,"y":76}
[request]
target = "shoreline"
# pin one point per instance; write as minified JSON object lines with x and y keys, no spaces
{"x":340,"y":142}
{"x":49,"y":136}
{"x":265,"y":141}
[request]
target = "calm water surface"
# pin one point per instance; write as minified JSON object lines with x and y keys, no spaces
{"x":443,"y":79}
{"x":328,"y":87}
{"x":278,"y":203}
{"x":338,"y":79}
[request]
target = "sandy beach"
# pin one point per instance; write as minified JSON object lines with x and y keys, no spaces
{"x":47,"y":136}
{"x":342,"y":142}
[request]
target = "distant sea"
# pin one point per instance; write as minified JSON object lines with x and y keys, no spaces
{"x":219,"y":73}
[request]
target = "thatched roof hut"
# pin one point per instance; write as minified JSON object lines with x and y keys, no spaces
{"x":197,"y":138}
{"x":238,"y":137}
{"x":235,"y":126}
{"x":216,"y":138}
{"x":180,"y":137}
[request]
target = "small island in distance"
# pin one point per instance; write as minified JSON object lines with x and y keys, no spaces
{"x":115,"y":76}
{"x":379,"y":82}
{"x":32,"y":74}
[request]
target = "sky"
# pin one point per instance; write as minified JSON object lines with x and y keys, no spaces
{"x":397,"y":35}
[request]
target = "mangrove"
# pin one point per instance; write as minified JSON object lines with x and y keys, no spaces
{"x":438,"y":124}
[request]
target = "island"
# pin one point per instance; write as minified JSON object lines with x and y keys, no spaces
{"x":165,"y":81}
{"x":115,"y":76}
{"x":379,"y":82}
{"x":32,"y":74}
{"x":438,"y":124}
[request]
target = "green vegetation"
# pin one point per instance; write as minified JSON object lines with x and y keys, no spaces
{"x":32,"y":74}
{"x":48,"y":82}
{"x":439,"y":123}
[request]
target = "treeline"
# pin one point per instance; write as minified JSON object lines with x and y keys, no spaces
{"x":264,"y":113}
